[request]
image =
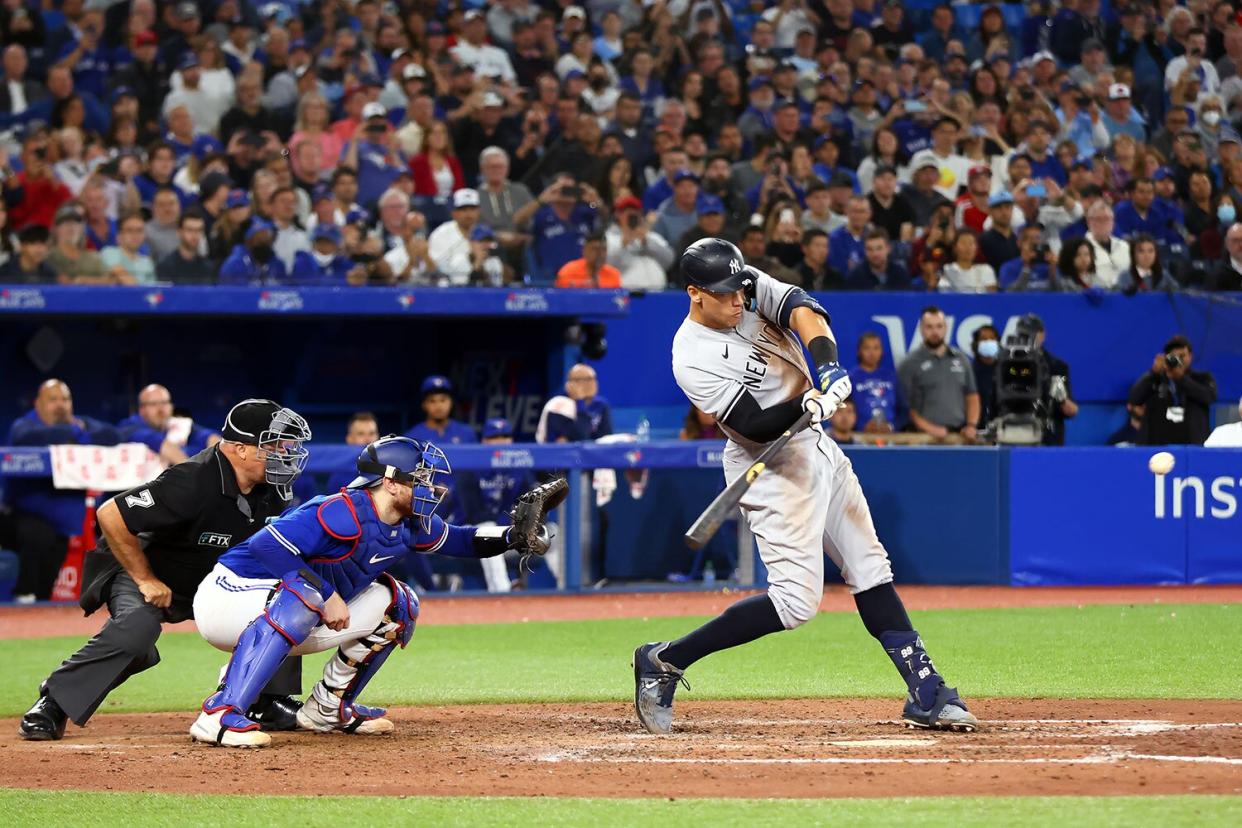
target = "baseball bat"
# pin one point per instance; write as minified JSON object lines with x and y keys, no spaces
{"x":720,"y":509}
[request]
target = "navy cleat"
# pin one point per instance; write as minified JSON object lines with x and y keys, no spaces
{"x":948,"y":712}
{"x":45,"y":721}
{"x":654,"y":685}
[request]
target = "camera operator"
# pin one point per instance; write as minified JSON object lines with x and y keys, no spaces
{"x":487,"y":268}
{"x":1177,"y":399}
{"x":1057,"y":395}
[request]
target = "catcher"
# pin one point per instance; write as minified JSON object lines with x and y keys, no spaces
{"x":314,"y":580}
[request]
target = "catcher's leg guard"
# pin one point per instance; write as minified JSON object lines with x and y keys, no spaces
{"x":333,"y":701}
{"x":295,"y":610}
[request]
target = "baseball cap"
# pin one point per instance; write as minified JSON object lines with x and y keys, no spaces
{"x":685,"y":175}
{"x":1082,"y":164}
{"x":1118,"y":92}
{"x":188,"y":61}
{"x":187,"y":11}
{"x":497,"y":427}
{"x":436,"y":384}
{"x":840,"y":178}
{"x":146,"y":38}
{"x":574,"y":11}
{"x":259,"y":226}
{"x":237,"y":198}
{"x":397,"y":54}
{"x":758,"y":81}
{"x":1162,"y":173}
{"x":321,"y":193}
{"x":68,"y":213}
{"x":785,"y":66}
{"x":371,"y":80}
{"x":1031,"y":322}
{"x":1229,"y":135}
{"x":298,"y":43}
{"x":357,"y":215}
{"x":574,"y":74}
{"x":465,"y":197}
{"x":326,"y":232}
{"x":412,"y":71}
{"x":924,"y":158}
{"x":999,"y":198}
{"x":211,"y":182}
{"x":482,"y":232}
{"x":463,"y":69}
{"x":374,"y":109}
{"x":123,"y":92}
{"x":1092,"y":44}
{"x":626,"y":203}
{"x":710,"y":204}
{"x":472,"y":15}
{"x":979,"y":169}
{"x":1042,"y":56}
{"x":492,"y":99}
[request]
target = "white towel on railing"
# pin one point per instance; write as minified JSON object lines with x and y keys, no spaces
{"x":105,"y":468}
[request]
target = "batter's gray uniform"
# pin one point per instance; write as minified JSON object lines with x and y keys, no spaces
{"x":807,"y":502}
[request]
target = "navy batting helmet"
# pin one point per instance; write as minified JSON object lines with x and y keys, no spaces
{"x":714,"y":265}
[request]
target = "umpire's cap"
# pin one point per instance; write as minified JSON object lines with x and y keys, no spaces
{"x":714,"y":265}
{"x":249,"y":419}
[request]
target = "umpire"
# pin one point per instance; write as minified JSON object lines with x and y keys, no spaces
{"x":157,"y":542}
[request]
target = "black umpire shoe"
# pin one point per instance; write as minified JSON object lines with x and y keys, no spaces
{"x":275,"y":712}
{"x":45,"y":721}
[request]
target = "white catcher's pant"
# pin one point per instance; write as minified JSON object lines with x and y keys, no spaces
{"x":808,"y":503}
{"x":226,"y":603}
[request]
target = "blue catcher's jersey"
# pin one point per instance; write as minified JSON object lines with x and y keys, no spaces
{"x":342,"y":539}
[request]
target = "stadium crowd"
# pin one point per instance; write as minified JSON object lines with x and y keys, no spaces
{"x":843,"y":144}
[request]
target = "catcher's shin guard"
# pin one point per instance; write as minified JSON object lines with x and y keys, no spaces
{"x":295,"y":610}
{"x":333,"y":701}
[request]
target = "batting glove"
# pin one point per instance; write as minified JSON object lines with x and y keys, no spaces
{"x":821,"y":407}
{"x":834,"y":382}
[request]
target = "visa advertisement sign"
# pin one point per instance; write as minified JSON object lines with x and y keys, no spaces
{"x":1099,"y":516}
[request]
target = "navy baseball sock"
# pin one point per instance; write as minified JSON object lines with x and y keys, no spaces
{"x":748,"y":619}
{"x":885,"y":618}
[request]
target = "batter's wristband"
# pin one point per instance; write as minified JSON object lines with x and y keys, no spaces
{"x":823,"y":350}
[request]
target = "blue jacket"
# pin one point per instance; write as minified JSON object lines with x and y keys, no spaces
{"x":844,"y":251}
{"x":307,"y":271}
{"x":1158,"y":223}
{"x":240,"y":269}
{"x":341,"y":538}
{"x":64,"y":510}
{"x":134,"y":429}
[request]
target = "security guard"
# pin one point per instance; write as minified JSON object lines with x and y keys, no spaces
{"x":157,"y":542}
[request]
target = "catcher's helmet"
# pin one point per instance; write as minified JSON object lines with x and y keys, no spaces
{"x":714,"y":265}
{"x":412,"y":462}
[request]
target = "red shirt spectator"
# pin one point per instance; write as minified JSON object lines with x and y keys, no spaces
{"x":43,"y":193}
{"x":435,"y":163}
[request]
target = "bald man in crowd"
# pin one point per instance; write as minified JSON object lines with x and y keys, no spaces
{"x":45,"y":517}
{"x":580,"y":414}
{"x":173,"y":438}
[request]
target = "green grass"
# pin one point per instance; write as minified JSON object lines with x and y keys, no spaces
{"x":1183,"y":651}
{"x":85,"y":809}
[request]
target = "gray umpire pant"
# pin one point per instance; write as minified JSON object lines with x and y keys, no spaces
{"x":125,"y":646}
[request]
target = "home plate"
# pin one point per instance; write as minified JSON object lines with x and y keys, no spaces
{"x":884,"y":743}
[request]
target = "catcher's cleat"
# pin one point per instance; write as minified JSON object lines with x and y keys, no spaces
{"x":275,"y":713}
{"x":654,"y":685}
{"x":227,"y":728}
{"x":947,"y":713}
{"x":321,"y":717}
{"x":45,"y":721}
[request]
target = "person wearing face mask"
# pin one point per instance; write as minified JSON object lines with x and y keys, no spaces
{"x":254,"y":262}
{"x":1209,"y":123}
{"x":323,"y":264}
{"x":985,"y":344}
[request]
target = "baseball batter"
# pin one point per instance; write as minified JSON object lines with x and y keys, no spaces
{"x":738,"y":356}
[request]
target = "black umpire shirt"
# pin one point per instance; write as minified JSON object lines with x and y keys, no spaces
{"x":185,"y":519}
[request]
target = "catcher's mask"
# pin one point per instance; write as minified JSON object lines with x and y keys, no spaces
{"x":279,"y":433}
{"x":409,"y":462}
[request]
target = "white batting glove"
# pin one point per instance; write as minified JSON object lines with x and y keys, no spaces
{"x":821,"y":407}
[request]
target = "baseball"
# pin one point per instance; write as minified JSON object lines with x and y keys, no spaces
{"x":1161,"y":463}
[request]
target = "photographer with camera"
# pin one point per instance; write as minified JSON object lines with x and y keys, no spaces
{"x":1029,"y":271}
{"x":1177,"y":400}
{"x":642,"y":255}
{"x":1058,"y":399}
{"x":488,"y":269}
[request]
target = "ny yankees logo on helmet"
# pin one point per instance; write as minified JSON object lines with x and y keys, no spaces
{"x":735,"y":266}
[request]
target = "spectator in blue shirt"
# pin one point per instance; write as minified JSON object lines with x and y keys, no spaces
{"x":44,"y":517}
{"x":1140,"y":214}
{"x":1044,"y":162}
{"x":935,"y":41}
{"x":561,"y":226}
{"x":1028,"y":272}
{"x":86,"y":55}
{"x":672,"y":161}
{"x":847,"y":247}
{"x":878,"y":271}
{"x":362,"y":430}
{"x":1120,"y":117}
{"x":254,"y":262}
{"x":875,"y":387}
{"x":378,"y":165}
{"x":324,"y":263}
{"x":161,"y":166}
{"x":173,"y":438}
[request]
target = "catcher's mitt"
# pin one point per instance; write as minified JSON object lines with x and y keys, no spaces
{"x":529,"y":535}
